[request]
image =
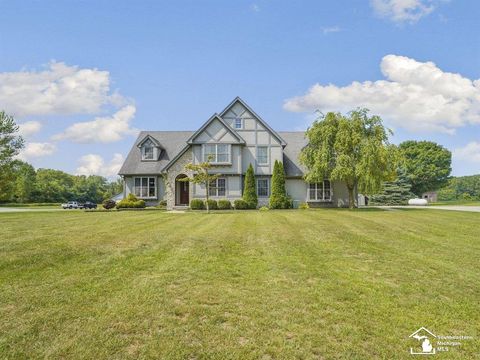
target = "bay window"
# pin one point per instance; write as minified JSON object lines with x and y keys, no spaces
{"x":145,"y":187}
{"x":320,"y":191}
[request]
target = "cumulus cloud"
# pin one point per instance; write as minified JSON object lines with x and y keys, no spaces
{"x":36,"y":150}
{"x":93,"y":164}
{"x":58,"y":90}
{"x":402,"y":10}
{"x":470,"y":152}
{"x":417,"y":96}
{"x":29,"y":128}
{"x":101,"y":129}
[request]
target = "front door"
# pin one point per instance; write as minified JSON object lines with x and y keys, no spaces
{"x":184,"y":192}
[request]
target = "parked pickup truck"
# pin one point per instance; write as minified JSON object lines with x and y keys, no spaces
{"x":71,"y":205}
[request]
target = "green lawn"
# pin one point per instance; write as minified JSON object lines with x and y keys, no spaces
{"x":315,"y":284}
{"x":457,"y":202}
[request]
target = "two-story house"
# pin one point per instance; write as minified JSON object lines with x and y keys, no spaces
{"x":233,"y":139}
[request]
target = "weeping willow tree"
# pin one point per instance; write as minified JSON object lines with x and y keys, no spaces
{"x":352,"y":148}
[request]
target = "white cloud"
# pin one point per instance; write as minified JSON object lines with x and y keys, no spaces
{"x":93,"y":164}
{"x":29,"y":128}
{"x":417,"y":96}
{"x":470,"y":152}
{"x":255,"y":8}
{"x":402,"y":10}
{"x":58,"y":90}
{"x":35,"y":150}
{"x":102,"y":129}
{"x":331,"y":29}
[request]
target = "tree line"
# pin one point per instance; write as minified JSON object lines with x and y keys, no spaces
{"x":21,"y":183}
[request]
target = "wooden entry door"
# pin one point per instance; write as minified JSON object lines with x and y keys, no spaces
{"x":184,"y":192}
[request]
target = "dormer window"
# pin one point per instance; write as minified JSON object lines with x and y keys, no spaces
{"x":148,"y":151}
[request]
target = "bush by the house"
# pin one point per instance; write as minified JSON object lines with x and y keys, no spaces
{"x":109,"y":204}
{"x":240,"y":204}
{"x":278,"y":197}
{"x":197,"y":204}
{"x":250,"y":189}
{"x":131,"y":202}
{"x":264,"y":208}
{"x":162,"y":203}
{"x":212,"y":204}
{"x":303,"y":206}
{"x":224,"y":204}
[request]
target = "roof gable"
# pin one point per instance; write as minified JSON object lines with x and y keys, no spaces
{"x":215,"y":130}
{"x":152,"y":139}
{"x":237,"y":111}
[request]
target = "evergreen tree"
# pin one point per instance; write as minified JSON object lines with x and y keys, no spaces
{"x":250,"y":189}
{"x":394,"y":192}
{"x":278,"y":196}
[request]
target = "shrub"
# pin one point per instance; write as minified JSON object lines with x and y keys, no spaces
{"x":109,"y":204}
{"x":303,"y":206}
{"x":212,"y":204}
{"x":240,"y":204}
{"x":131,"y":202}
{"x":197,"y":204}
{"x":264,"y":208}
{"x":250,"y":189}
{"x":224,"y":204}
{"x":162,"y":203}
{"x":278,"y":197}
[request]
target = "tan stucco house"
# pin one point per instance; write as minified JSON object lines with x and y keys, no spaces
{"x":235,"y":138}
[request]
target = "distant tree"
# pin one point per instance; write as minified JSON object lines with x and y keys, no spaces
{"x":25,"y":182}
{"x":114,"y":187}
{"x":10,"y":145}
{"x":396,"y":192}
{"x":428,"y":165}
{"x":250,"y":189}
{"x":458,"y":186}
{"x":278,"y":196}
{"x":202,"y":176}
{"x":54,"y":186}
{"x":351,"y":148}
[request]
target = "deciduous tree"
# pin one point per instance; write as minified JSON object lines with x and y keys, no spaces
{"x":351,"y":148}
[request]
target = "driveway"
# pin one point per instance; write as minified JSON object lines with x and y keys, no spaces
{"x":439,"y":207}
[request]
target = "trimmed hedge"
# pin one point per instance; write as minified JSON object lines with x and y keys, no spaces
{"x":197,"y":204}
{"x":212,"y":204}
{"x":131,"y":202}
{"x":224,"y":204}
{"x":240,"y":204}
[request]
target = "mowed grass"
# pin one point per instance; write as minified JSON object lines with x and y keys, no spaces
{"x":316,"y":284}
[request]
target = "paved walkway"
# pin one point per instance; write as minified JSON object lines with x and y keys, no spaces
{"x":439,"y":207}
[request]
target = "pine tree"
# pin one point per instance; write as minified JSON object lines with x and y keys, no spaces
{"x":250,"y":189}
{"x":396,"y":192}
{"x":278,"y":197}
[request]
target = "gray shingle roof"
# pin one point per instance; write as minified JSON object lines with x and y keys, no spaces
{"x":171,"y":141}
{"x":295,"y":142}
{"x":174,"y":141}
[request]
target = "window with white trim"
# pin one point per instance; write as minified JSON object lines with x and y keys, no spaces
{"x":148,"y":151}
{"x":262,"y":187}
{"x":145,"y":187}
{"x":262,"y":155}
{"x":238,"y":123}
{"x":217,"y":187}
{"x":217,"y":153}
{"x":320,"y":191}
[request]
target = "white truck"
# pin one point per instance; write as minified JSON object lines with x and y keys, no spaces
{"x":71,"y":205}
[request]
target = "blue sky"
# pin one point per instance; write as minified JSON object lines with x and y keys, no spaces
{"x":82,"y":77}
